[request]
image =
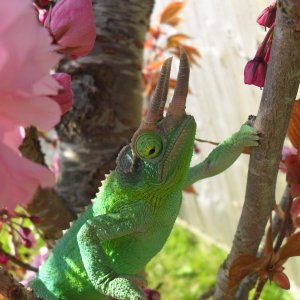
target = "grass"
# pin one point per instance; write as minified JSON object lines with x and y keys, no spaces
{"x":187,"y":267}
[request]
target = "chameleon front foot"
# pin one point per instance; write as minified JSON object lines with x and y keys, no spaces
{"x":247,"y":136}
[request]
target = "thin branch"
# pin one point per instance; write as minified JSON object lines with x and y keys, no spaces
{"x":12,"y":290}
{"x":208,"y":294}
{"x":18,"y":262}
{"x":278,"y":97}
{"x":249,"y":282}
{"x":284,"y":225}
{"x":207,"y":141}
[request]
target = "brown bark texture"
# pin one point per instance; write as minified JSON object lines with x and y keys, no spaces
{"x":107,"y":100}
{"x":10,"y":289}
{"x":281,"y":85}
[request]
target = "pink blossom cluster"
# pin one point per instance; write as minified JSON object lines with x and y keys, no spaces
{"x":256,"y":69}
{"x":29,"y":95}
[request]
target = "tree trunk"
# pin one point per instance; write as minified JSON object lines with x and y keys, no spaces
{"x":278,"y":97}
{"x":107,"y":110}
{"x":107,"y":100}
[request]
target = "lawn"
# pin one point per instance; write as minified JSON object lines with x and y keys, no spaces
{"x":187,"y":267}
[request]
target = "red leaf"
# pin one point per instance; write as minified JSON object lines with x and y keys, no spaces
{"x":290,"y":248}
{"x":174,"y":40}
{"x":292,"y":163}
{"x":172,"y":83}
{"x":295,"y":209}
{"x":191,"y":50}
{"x":174,"y":21}
{"x":281,"y":280}
{"x":295,"y":190}
{"x":190,"y":189}
{"x":246,"y":150}
{"x":153,"y":66}
{"x":171,"y":10}
{"x":243,"y":266}
{"x":294,"y":125}
{"x":296,"y":222}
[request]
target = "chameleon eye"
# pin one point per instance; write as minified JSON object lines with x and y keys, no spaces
{"x":148,"y":145}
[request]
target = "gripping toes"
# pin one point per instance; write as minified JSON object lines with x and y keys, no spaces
{"x":247,"y":136}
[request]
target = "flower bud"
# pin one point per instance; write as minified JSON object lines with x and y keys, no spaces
{"x":27,"y":243}
{"x":71,"y":24}
{"x":3,"y":259}
{"x":26,"y":230}
{"x":35,"y":219}
{"x":267,"y":16}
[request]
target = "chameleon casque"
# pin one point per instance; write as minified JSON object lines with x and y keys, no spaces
{"x":134,"y":211}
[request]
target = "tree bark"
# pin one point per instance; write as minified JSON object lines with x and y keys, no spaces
{"x":10,"y":289}
{"x":281,"y":85}
{"x":107,"y":100}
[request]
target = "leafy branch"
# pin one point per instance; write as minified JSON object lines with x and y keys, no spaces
{"x":272,"y":120}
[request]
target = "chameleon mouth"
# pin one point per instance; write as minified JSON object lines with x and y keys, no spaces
{"x":175,"y":150}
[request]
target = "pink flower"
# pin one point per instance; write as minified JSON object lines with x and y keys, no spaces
{"x":256,"y":69}
{"x":42,"y":14}
{"x":286,"y":151}
{"x":26,"y":56}
{"x":19,"y":176}
{"x":65,"y":95}
{"x":3,"y":259}
{"x":71,"y":23}
{"x":267,"y":16}
{"x":255,"y":72}
{"x":295,"y":211}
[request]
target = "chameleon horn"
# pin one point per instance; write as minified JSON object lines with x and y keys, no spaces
{"x":159,"y":97}
{"x":168,"y":64}
{"x":177,"y":106}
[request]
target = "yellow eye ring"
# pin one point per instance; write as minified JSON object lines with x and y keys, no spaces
{"x":148,"y":145}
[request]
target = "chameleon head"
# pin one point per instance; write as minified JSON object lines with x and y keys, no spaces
{"x":162,"y":146}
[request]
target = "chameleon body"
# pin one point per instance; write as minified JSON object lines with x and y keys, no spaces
{"x":132,"y":216}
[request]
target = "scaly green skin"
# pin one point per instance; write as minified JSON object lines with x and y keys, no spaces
{"x":134,"y":212}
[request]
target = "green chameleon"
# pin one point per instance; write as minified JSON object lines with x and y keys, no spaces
{"x":103,"y":252}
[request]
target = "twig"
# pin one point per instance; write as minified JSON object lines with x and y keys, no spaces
{"x":207,"y":294}
{"x":19,"y":262}
{"x":260,"y":286}
{"x":249,"y":282}
{"x":284,"y":225}
{"x":206,"y":141}
{"x":278,"y":97}
{"x":12,"y":290}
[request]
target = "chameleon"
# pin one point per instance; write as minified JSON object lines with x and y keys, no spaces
{"x":102,"y":254}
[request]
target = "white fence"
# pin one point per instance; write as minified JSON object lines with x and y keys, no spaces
{"x":226,"y":34}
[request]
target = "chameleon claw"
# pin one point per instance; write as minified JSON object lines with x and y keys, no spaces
{"x":251,"y":118}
